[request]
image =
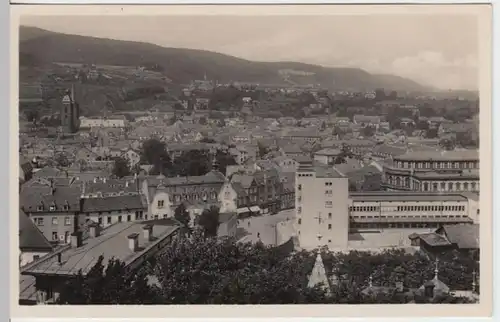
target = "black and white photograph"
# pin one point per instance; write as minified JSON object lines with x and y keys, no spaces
{"x":251,"y":158}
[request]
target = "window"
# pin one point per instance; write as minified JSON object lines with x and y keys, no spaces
{"x":39,"y":208}
{"x":109,"y":220}
{"x":329,"y":226}
{"x":129,"y":218}
{"x":52,"y":208}
{"x":54,"y":235}
{"x":39,"y":221}
{"x":120,"y":218}
{"x":328,"y":192}
{"x":299,"y":210}
{"x":67,"y":221}
{"x":54,"y":221}
{"x":100,"y":221}
{"x":36,"y":257}
{"x":329,"y":215}
{"x":161,"y":203}
{"x":299,"y":221}
{"x":66,"y":207}
{"x":299,"y":187}
{"x":328,"y":204}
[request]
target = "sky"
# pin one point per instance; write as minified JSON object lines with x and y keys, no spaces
{"x":437,"y":50}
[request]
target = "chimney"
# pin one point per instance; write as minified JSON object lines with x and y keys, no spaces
{"x":94,"y":230}
{"x":76,"y":239}
{"x":133,"y":242}
{"x":429,"y":289}
{"x":148,"y":232}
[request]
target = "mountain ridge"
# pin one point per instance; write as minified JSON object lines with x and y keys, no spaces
{"x":39,"y":46}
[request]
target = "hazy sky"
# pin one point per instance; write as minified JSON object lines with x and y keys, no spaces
{"x":439,"y":50}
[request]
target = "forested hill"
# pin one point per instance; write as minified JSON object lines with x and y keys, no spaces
{"x":38,"y":47}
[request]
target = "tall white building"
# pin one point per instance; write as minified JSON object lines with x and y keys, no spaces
{"x":322,"y":207}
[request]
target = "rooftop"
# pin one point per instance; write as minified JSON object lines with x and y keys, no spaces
{"x":405,"y":196}
{"x":455,"y":155}
{"x":30,"y":237}
{"x":112,"y":243}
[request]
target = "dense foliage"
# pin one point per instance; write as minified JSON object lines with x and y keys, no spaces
{"x":455,"y":269}
{"x":189,"y":163}
{"x":110,"y":284}
{"x":121,"y":167}
{"x":209,"y":221}
{"x":206,"y":270}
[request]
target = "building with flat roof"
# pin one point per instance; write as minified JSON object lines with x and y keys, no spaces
{"x":326,"y":214}
{"x":433,"y":171}
{"x":376,"y":211}
{"x":321,"y":206}
{"x":132,"y":243}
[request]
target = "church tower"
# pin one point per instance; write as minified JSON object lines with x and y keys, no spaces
{"x":70,"y":112}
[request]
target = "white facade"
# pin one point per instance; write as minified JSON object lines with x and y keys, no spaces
{"x":27,"y":257}
{"x":321,"y":207}
{"x":100,"y":122}
{"x":227,"y":198}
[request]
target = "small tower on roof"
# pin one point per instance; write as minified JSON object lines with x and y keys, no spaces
{"x":318,"y":275}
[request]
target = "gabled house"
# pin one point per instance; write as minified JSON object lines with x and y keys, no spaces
{"x":32,"y":243}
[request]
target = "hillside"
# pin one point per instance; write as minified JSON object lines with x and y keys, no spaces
{"x":39,"y":47}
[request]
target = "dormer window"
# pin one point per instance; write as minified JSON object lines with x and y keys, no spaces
{"x":39,"y":208}
{"x":66,"y":207}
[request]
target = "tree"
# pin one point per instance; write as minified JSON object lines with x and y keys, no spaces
{"x":369,"y":131}
{"x":448,"y":143}
{"x":431,"y":133}
{"x":191,"y":163}
{"x":61,"y":160}
{"x":223,"y":160}
{"x":207,"y":140}
{"x":154,"y":152}
{"x":214,"y":271}
{"x":182,"y":215}
{"x":121,"y":167}
{"x":263,"y":150}
{"x":209,"y":220}
{"x":110,"y":284}
{"x":32,"y":115}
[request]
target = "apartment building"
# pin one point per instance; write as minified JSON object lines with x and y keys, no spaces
{"x":321,"y":207}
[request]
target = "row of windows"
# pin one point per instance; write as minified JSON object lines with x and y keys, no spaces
{"x":39,"y":221}
{"x":408,"y":208}
{"x":415,"y":216}
{"x":437,"y":165}
{"x":52,"y":207}
{"x":305,"y":174}
{"x":393,"y":225}
{"x":433,"y":186}
{"x":299,"y":221}
{"x":111,"y":194}
{"x":138,"y":216}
